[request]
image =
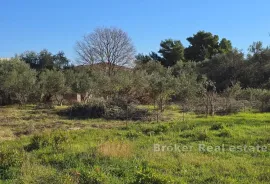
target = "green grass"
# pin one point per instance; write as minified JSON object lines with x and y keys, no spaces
{"x":54,"y":149}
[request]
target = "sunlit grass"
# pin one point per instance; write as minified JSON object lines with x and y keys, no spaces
{"x":99,"y":151}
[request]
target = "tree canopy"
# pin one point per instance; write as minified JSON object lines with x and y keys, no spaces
{"x":171,"y":51}
{"x":204,"y":45}
{"x":45,"y":60}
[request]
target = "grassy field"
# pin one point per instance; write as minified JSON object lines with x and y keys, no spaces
{"x":38,"y":146}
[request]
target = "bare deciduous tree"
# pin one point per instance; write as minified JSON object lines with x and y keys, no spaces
{"x":106,"y":45}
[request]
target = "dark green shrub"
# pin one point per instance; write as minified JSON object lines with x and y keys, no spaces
{"x":147,"y":175}
{"x":187,"y":135}
{"x":133,"y":135}
{"x":225,"y":133}
{"x":148,"y":131}
{"x":161,"y":129}
{"x":120,"y":109}
{"x":264,"y":177}
{"x":196,"y":136}
{"x":185,"y":127}
{"x":217,"y":126}
{"x":48,"y":179}
{"x":155,"y":130}
{"x":38,"y":142}
{"x":135,"y":113}
{"x":182,"y":126}
{"x":55,"y":140}
{"x":90,"y":110}
{"x":125,"y":113}
{"x":115,"y":112}
{"x":10,"y":163}
{"x":58,"y":139}
{"x":95,"y":176}
{"x":108,"y":110}
{"x":202,"y":136}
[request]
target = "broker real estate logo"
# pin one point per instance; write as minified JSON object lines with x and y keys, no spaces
{"x":209,"y":148}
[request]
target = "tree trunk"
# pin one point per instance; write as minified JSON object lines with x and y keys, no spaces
{"x":156,"y":108}
{"x":183,"y":112}
{"x":212,"y":106}
{"x":207,"y":107}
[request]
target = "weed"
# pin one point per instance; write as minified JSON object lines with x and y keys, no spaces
{"x":10,"y":163}
{"x":225,"y":133}
{"x":217,"y":126}
{"x":133,"y":135}
{"x":54,"y":140}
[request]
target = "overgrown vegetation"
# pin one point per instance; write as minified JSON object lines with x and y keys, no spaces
{"x":106,"y":110}
{"x":98,"y":122}
{"x":125,"y":153}
{"x":217,"y":79}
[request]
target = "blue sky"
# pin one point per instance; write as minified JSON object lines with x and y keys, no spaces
{"x":57,"y":24}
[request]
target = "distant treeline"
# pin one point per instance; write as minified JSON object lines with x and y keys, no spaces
{"x":208,"y":76}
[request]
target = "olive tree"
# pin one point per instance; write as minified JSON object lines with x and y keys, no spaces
{"x":52,"y":84}
{"x":80,"y":82}
{"x":17,"y":79}
{"x":162,"y":87}
{"x":186,"y":91}
{"x":230,"y":94}
{"x":260,"y":97}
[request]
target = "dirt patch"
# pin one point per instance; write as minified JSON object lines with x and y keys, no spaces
{"x":6,"y":134}
{"x":109,"y":125}
{"x":75,"y":128}
{"x":116,"y":149}
{"x":196,"y":159}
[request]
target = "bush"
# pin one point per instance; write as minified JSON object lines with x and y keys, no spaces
{"x":119,"y":108}
{"x":195,"y":135}
{"x":155,"y":130}
{"x":44,"y":140}
{"x":181,"y":127}
{"x":202,"y":136}
{"x":129,"y":113}
{"x":135,"y":113}
{"x":147,"y":175}
{"x":237,"y":106}
{"x":38,"y":142}
{"x":94,"y":109}
{"x":115,"y":112}
{"x":58,"y":139}
{"x":225,"y":133}
{"x":10,"y":163}
{"x":95,"y":176}
{"x":161,"y":129}
{"x":151,"y":177}
{"x":133,"y":134}
{"x":149,"y":131}
{"x":108,"y":110}
{"x":217,"y":126}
